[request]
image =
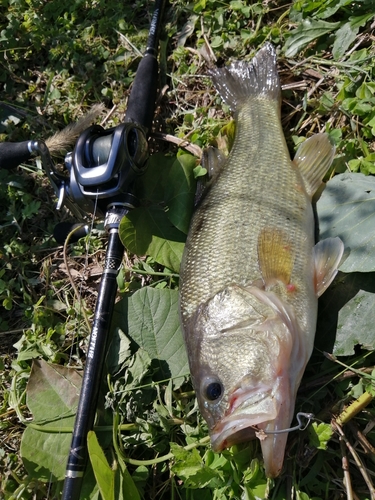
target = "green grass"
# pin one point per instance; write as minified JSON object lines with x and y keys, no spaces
{"x":57,"y":59}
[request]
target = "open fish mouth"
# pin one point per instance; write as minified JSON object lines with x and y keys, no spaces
{"x":247,"y":409}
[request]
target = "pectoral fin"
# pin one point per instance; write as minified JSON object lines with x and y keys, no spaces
{"x":327,"y":256}
{"x":275,"y":256}
{"x":213,"y":161}
{"x":313,"y":159}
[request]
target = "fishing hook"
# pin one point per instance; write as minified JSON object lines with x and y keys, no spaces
{"x":300,"y":427}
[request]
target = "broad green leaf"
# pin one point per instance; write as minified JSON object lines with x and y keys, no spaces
{"x":344,"y":37}
{"x":321,"y":9}
{"x":119,"y":350}
{"x":104,"y":475}
{"x":360,"y":21}
{"x":52,"y":397}
{"x":169,"y":181}
{"x":190,"y":467}
{"x":44,"y":452}
{"x":153,"y":323}
{"x":355,"y":325}
{"x":365,"y":91}
{"x":319,"y":435}
{"x":139,"y":368}
{"x":236,"y":5}
{"x":343,"y":289}
{"x":150,"y":185}
{"x":309,"y":30}
{"x":148,"y":231}
{"x":329,"y":8}
{"x":125,"y":486}
{"x":180,"y":191}
{"x":52,"y":389}
{"x":347,"y":209}
{"x":358,"y":106}
{"x":347,"y":34}
{"x":199,"y":5}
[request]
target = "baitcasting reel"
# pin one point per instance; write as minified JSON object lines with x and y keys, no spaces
{"x":103,"y":166}
{"x":101,"y":169}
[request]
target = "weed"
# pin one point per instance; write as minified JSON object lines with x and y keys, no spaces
{"x":56,"y":60}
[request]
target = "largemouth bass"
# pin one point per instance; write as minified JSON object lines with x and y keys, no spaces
{"x":251,"y":272}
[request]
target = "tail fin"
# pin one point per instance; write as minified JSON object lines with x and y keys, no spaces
{"x":241,"y":80}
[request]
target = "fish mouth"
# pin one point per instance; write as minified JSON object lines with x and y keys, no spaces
{"x":263,"y":408}
{"x":247,"y":409}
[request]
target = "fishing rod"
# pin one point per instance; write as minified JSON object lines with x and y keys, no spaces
{"x":101,"y":172}
{"x":122,"y":152}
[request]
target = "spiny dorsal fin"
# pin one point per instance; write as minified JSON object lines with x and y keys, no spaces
{"x":275,"y":256}
{"x":313,"y":159}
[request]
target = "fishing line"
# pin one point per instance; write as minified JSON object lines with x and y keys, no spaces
{"x":78,"y":292}
{"x":301,"y":426}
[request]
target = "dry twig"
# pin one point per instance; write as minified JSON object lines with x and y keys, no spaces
{"x":356,"y":458}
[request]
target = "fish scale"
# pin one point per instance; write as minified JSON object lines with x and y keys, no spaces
{"x":250,"y":274}
{"x":251,"y":192}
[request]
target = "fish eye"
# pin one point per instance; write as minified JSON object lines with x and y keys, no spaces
{"x":214,"y":390}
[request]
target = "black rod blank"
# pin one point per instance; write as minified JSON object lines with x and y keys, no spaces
{"x":93,"y":369}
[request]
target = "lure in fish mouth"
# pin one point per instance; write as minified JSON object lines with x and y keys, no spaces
{"x":251,"y":272}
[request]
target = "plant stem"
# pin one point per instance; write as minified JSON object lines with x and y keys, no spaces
{"x":357,"y":460}
{"x":202,"y":442}
{"x":354,"y":408}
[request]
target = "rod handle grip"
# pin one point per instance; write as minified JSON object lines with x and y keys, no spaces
{"x":14,"y":153}
{"x":141,"y":103}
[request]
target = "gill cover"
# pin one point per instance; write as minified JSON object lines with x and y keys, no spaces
{"x":248,"y":383}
